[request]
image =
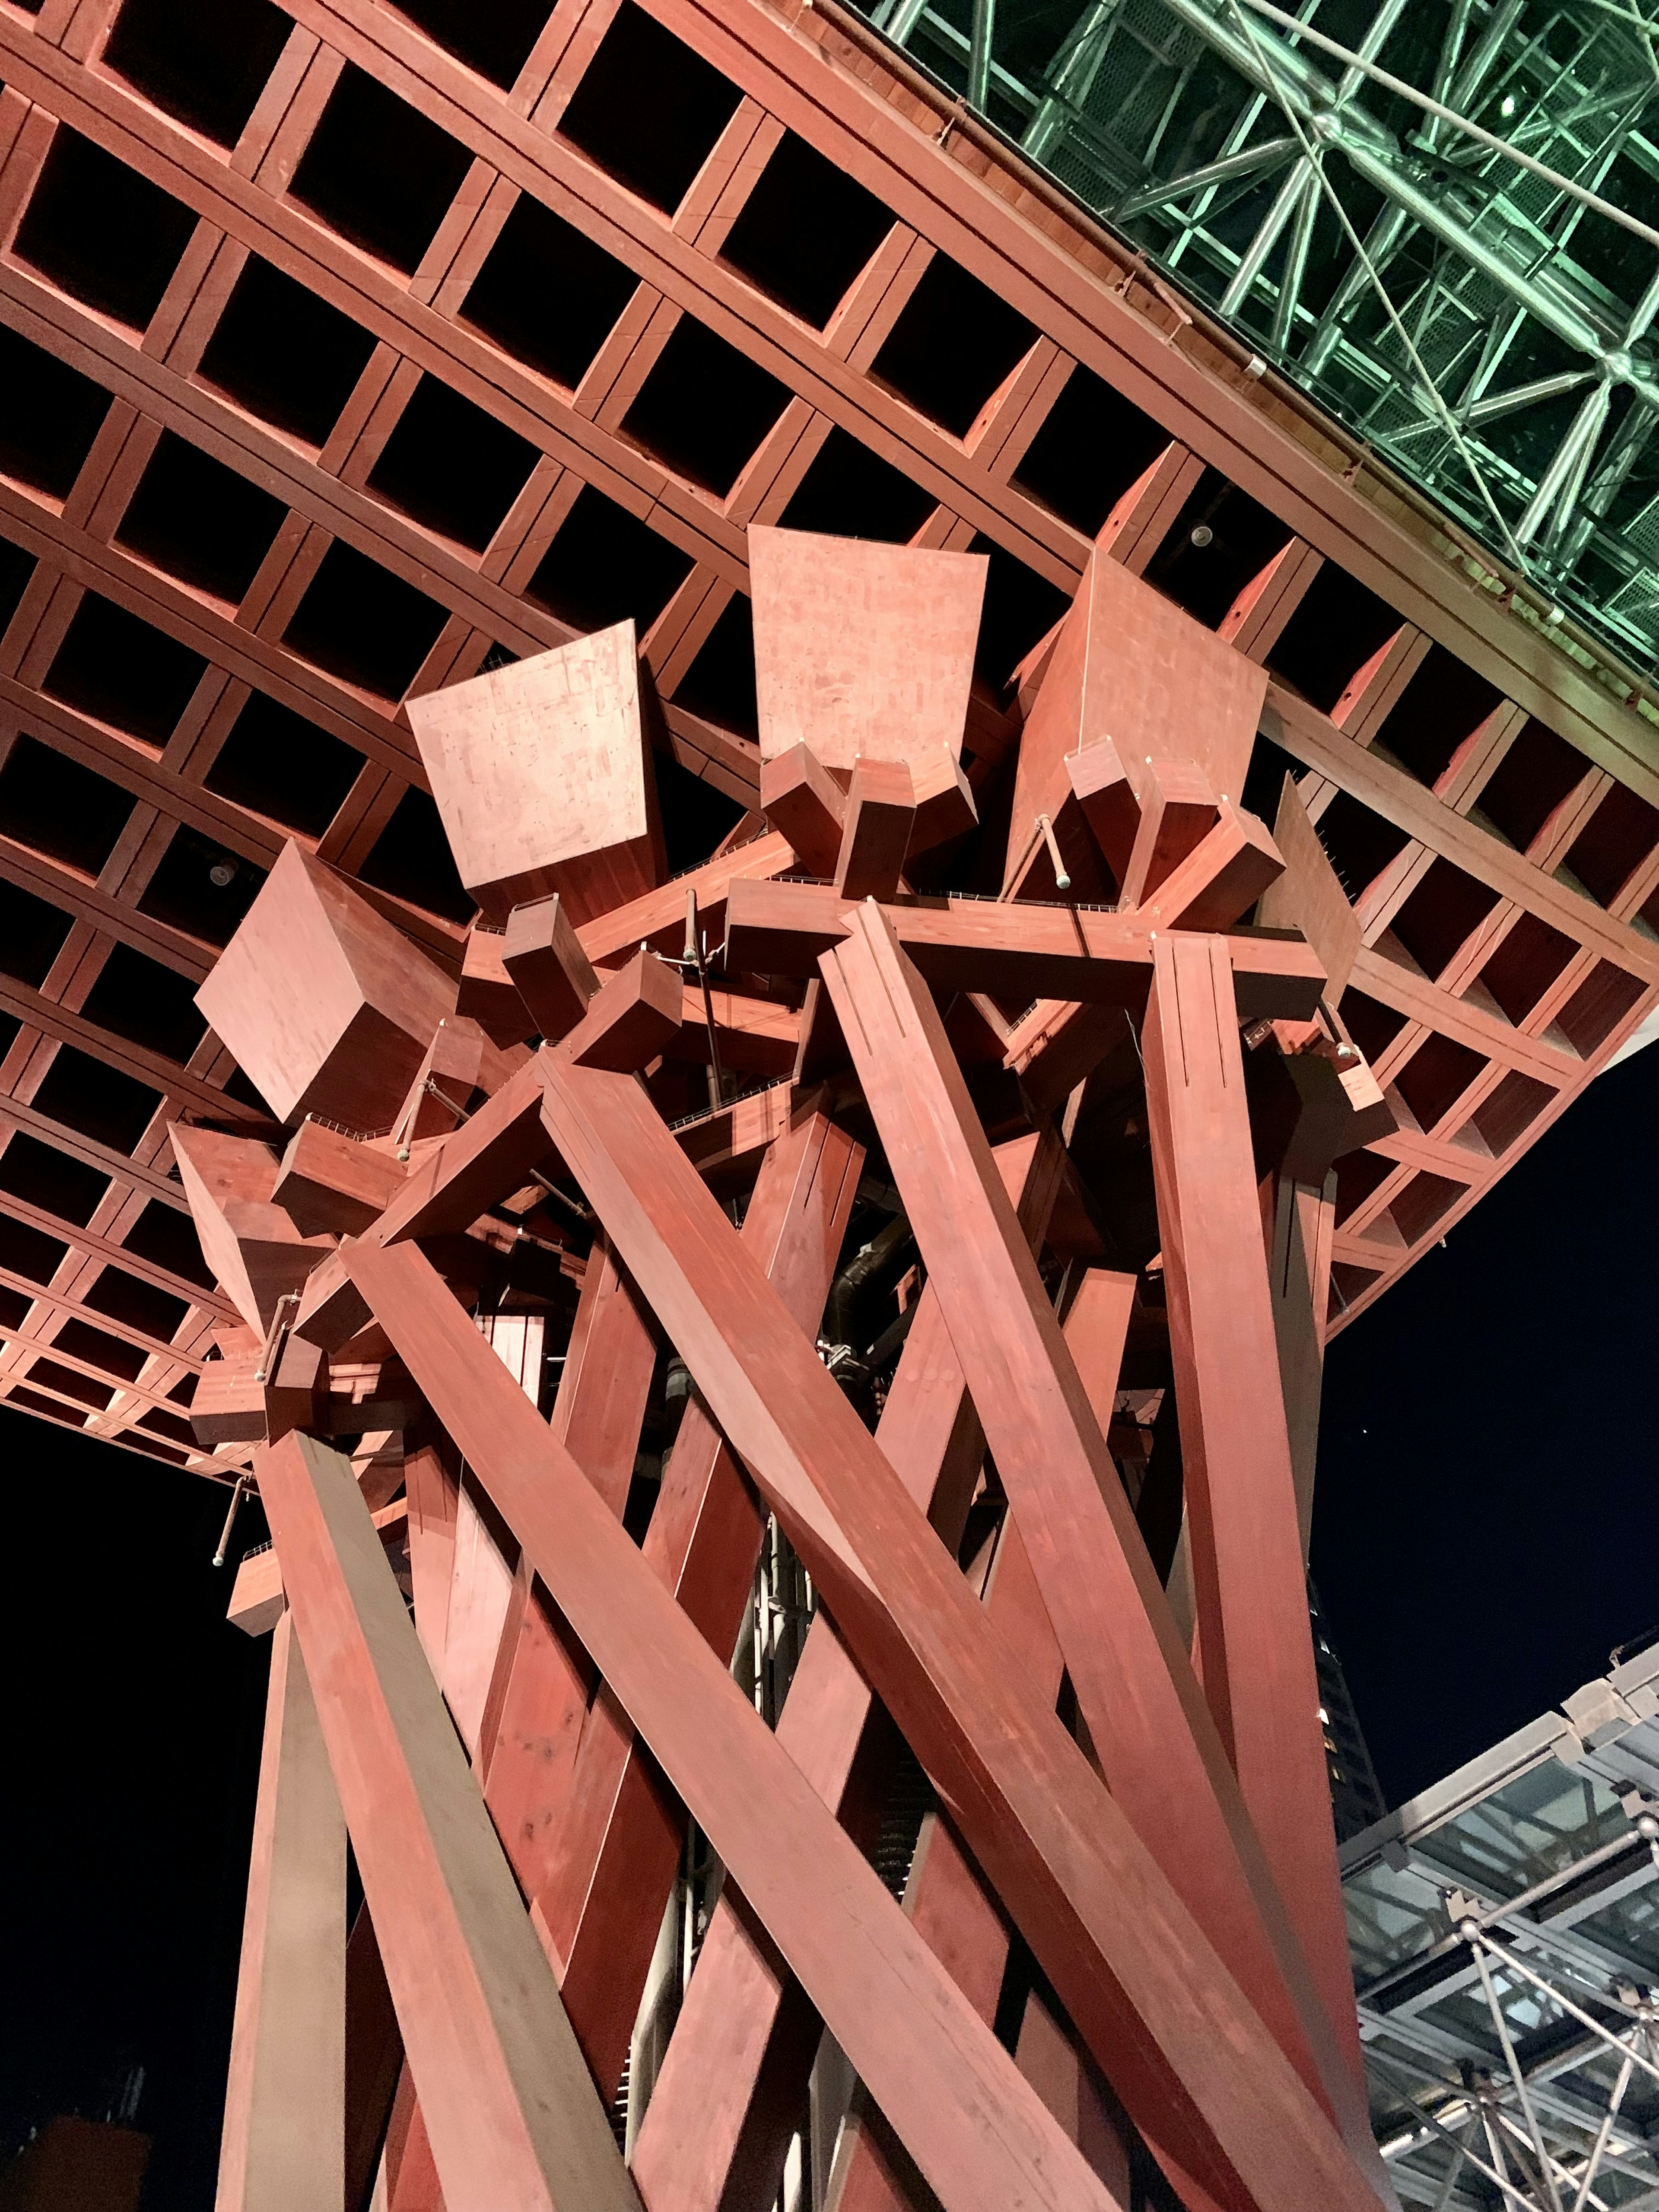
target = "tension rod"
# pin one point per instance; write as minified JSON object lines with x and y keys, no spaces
{"x":693,"y":959}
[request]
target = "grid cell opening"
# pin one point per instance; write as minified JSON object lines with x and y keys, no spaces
{"x":1337,"y":628}
{"x":805,"y":231}
{"x":1436,"y":1077}
{"x":14,"y":1307}
{"x":80,"y":1340}
{"x":1520,"y":969}
{"x":99,"y":1102}
{"x":704,"y":408}
{"x":1442,"y":914}
{"x":100,"y":232}
{"x":206,"y":66}
{"x":954,"y":343}
{"x":122,"y":670}
{"x":169,"y":1424}
{"x":1598,"y":1006}
{"x":1613,"y":843}
{"x":167,"y":1238}
{"x":720,"y":685}
{"x":1221,"y":541}
{"x":379,"y":171}
{"x":56,"y":1182}
{"x":1372,"y":1025}
{"x":1020,"y":607}
{"x":32,"y":934}
{"x":847,"y":492}
{"x":451,"y":467}
{"x":16,"y":567}
{"x":27,"y":1251}
{"x":1092,"y":445}
{"x":54,"y":806}
{"x":284,"y":768}
{"x":1534,"y":775}
{"x":1444,"y":704}
{"x":648,"y":109}
{"x":363,"y":624}
{"x":1358,"y":1175}
{"x":606,"y":564}
{"x":1511,"y":1110}
{"x":411,"y":859}
{"x":193,"y":518}
{"x":50,"y":417}
{"x":494,"y":42}
{"x":136,"y":998}
{"x":1425,"y":1200}
{"x":284,"y":355}
{"x":1357,"y":843}
{"x":183,"y":894}
{"x":139,"y":1304}
{"x":547,"y":294}
{"x":53,"y":1375}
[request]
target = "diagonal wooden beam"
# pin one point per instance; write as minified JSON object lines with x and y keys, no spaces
{"x":1138,"y":1980}
{"x":1159,"y":1747}
{"x":974,"y":2127}
{"x":735,"y":2067}
{"x":512,"y":2115}
{"x":619,"y":1842}
{"x":945,"y":1895}
{"x":283,"y":2143}
{"x":1248,"y":1574}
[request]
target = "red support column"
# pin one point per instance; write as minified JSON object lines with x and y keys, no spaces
{"x":1249,"y":1578}
{"x":513,"y":2115}
{"x":284,"y":2144}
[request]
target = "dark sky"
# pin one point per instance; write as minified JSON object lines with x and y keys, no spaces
{"x":1486,"y":1514}
{"x":1487,"y":1526}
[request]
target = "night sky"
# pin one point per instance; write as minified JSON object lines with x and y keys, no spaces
{"x":1487,"y":1527}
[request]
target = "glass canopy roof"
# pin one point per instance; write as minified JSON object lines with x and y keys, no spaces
{"x":1483,"y":326}
{"x":1504,"y":1931}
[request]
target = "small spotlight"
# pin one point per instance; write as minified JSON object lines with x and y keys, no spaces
{"x":1203,"y":536}
{"x":1506,"y":105}
{"x":220,"y":873}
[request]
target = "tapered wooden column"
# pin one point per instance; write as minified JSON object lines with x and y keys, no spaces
{"x":284,"y":2146}
{"x":1299,"y":1277}
{"x":1156,"y":1740}
{"x":513,"y":2115}
{"x":1129,"y":1961}
{"x":1249,"y":1576}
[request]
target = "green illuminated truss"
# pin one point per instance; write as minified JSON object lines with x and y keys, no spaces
{"x":1484,"y":327}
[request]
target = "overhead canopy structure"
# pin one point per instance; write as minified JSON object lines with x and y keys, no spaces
{"x":348,"y":356}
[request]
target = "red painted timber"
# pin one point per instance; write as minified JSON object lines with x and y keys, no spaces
{"x":1157,"y":1743}
{"x":733,"y":2076}
{"x":974,"y":2127}
{"x":1247,"y":1570}
{"x":616,"y":1852}
{"x":1149,"y":1994}
{"x":512,"y":2115}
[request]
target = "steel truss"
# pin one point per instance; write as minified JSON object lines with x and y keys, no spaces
{"x":1504,"y":1936}
{"x":1482,"y":324}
